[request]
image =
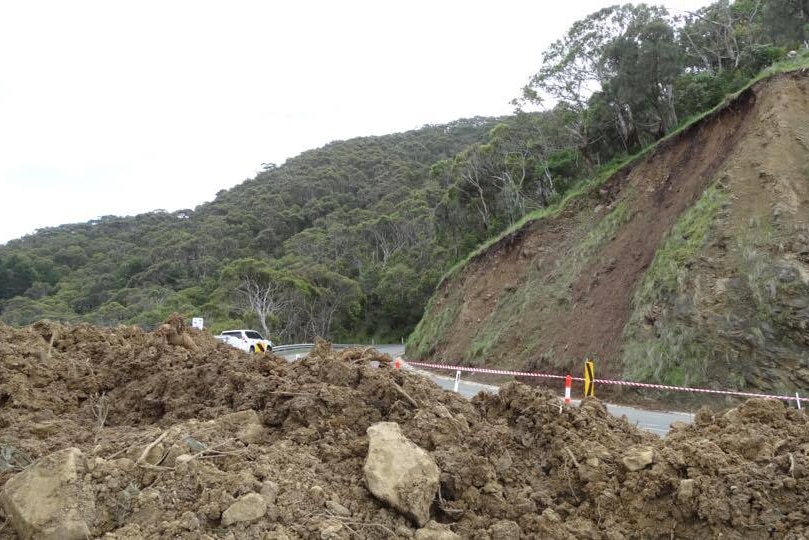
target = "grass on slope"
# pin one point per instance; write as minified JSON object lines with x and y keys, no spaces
{"x":670,"y":354}
{"x":429,"y":329}
{"x":587,"y":186}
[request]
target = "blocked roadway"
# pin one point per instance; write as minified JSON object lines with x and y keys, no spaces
{"x":657,"y":422}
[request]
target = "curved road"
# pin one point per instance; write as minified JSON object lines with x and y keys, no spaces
{"x":657,"y":422}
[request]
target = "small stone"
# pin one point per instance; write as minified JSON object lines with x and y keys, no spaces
{"x":331,"y":531}
{"x":318,"y":494}
{"x":247,"y":508}
{"x":43,"y":430}
{"x":155,"y":454}
{"x":183,"y":458}
{"x":174,"y":451}
{"x":639,"y":458}
{"x":786,"y":274}
{"x":492,"y":488}
{"x":273,"y":512}
{"x":504,"y":462}
{"x":192,"y":444}
{"x":686,"y":489}
{"x":677,"y":425}
{"x":189,"y":521}
{"x":252,"y":434}
{"x":593,"y":462}
{"x":269,"y":490}
{"x":225,"y":499}
{"x":434,"y":531}
{"x":338,"y":509}
{"x":505,"y":530}
{"x":403,"y":532}
{"x":276,"y":535}
{"x":124,"y":464}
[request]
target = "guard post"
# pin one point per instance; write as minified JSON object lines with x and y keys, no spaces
{"x":589,"y":378}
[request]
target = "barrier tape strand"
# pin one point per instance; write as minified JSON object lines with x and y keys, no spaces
{"x":609,"y":381}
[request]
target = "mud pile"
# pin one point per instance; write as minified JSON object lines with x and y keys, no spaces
{"x":130,"y":436}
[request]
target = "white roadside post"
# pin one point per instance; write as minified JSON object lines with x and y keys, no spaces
{"x":457,"y":380}
{"x":798,"y":400}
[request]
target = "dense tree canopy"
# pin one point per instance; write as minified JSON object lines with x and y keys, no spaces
{"x":316,"y":246}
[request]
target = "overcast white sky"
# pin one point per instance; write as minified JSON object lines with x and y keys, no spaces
{"x":125,"y":107}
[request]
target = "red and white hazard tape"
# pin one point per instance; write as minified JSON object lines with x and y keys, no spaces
{"x":610,"y":381}
{"x":700,"y":390}
{"x":490,"y":371}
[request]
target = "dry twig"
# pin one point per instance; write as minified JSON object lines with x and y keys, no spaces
{"x":50,"y":345}
{"x":142,"y":459}
{"x":346,"y":521}
{"x":575,"y":462}
{"x":101,"y":408}
{"x":128,"y":448}
{"x":569,"y":481}
{"x":405,"y":395}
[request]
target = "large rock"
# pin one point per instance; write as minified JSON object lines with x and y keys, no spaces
{"x":247,"y":508}
{"x":639,"y":458}
{"x":400,"y":473}
{"x":46,"y":500}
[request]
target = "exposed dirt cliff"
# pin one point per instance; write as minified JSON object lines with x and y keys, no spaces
{"x":690,"y":266}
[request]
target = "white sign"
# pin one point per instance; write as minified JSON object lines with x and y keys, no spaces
{"x":196,"y":322}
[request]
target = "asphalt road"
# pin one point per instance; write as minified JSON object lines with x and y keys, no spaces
{"x":657,"y":422}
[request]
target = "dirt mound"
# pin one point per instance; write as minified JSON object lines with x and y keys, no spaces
{"x":213,"y":442}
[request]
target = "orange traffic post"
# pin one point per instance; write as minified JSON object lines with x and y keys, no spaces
{"x":568,"y":382}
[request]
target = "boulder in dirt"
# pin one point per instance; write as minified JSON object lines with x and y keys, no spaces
{"x":685,"y":491}
{"x":639,"y":458}
{"x":46,"y":500}
{"x":505,"y":530}
{"x":247,"y":508}
{"x":435,"y":531}
{"x":174,"y":332}
{"x":400,"y":473}
{"x":245,"y":425}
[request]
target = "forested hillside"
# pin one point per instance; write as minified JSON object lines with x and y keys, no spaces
{"x":338,"y":241}
{"x":348,"y":241}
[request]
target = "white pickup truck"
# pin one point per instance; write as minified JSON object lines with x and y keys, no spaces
{"x":246,"y":340}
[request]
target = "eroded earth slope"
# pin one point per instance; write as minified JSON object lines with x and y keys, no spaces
{"x":688,"y":267}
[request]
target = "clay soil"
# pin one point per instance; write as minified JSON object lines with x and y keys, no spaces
{"x":512,"y":465}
